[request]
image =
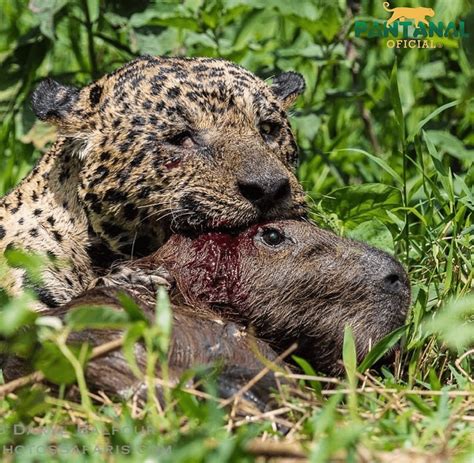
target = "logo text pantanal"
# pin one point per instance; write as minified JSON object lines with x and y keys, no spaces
{"x":410,"y":27}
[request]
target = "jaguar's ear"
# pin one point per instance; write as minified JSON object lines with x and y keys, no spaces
{"x":53,"y":102}
{"x":287,"y":87}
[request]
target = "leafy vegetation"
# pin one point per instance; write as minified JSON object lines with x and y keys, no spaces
{"x":386,"y":139}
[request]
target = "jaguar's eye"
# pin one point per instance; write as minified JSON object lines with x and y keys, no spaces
{"x":269,"y":129}
{"x":182,"y":139}
{"x":272,"y":237}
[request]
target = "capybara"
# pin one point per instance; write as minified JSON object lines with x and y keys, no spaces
{"x":290,"y":281}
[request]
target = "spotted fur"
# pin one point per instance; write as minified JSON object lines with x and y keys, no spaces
{"x":160,"y":145}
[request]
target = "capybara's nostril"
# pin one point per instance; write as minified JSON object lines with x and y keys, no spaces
{"x":387,"y":274}
{"x":265,"y":192}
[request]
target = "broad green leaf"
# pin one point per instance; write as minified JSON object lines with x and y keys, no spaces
{"x":308,"y":370}
{"x":428,"y":118}
{"x":45,"y":11}
{"x":374,"y":233}
{"x":406,"y":89}
{"x":450,"y":144}
{"x":349,"y":355}
{"x":165,"y":14}
{"x":432,"y":70}
{"x":420,"y":404}
{"x":91,"y":316}
{"x":163,"y":318}
{"x":193,"y":5}
{"x":330,"y":21}
{"x":396,"y":102}
{"x":49,"y":321}
{"x":132,"y":335}
{"x":16,"y":313}
{"x":468,"y":43}
{"x":94,"y":9}
{"x":51,"y":361}
{"x":307,"y":126}
{"x":358,"y":203}
{"x":324,"y":420}
{"x":188,"y":403}
{"x":448,"y":10}
{"x":31,"y":402}
{"x":303,"y":8}
{"x":380,"y":162}
{"x":133,"y":310}
{"x":251,"y":28}
{"x":311,"y":51}
{"x":455,"y":323}
{"x":435,"y":156}
{"x":157,"y":44}
{"x":381,"y":348}
{"x":33,"y":264}
{"x":466,"y":193}
{"x":435,"y":383}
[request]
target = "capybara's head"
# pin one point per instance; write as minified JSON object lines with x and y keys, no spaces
{"x":181,"y":143}
{"x":292,"y":281}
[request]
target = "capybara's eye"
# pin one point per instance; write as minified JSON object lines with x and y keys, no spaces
{"x":272,"y":237}
{"x":182,"y":139}
{"x":269,"y":129}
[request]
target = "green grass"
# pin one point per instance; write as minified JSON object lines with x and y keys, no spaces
{"x":387,"y":154}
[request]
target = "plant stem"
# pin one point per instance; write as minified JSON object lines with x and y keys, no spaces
{"x":90,"y":41}
{"x":405,"y":202}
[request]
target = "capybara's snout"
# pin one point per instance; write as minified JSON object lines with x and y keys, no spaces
{"x":389,"y":279}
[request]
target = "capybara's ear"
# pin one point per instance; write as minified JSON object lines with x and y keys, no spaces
{"x":287,"y":87}
{"x":52,"y":101}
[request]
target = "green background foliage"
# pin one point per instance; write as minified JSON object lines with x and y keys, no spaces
{"x":387,"y":150}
